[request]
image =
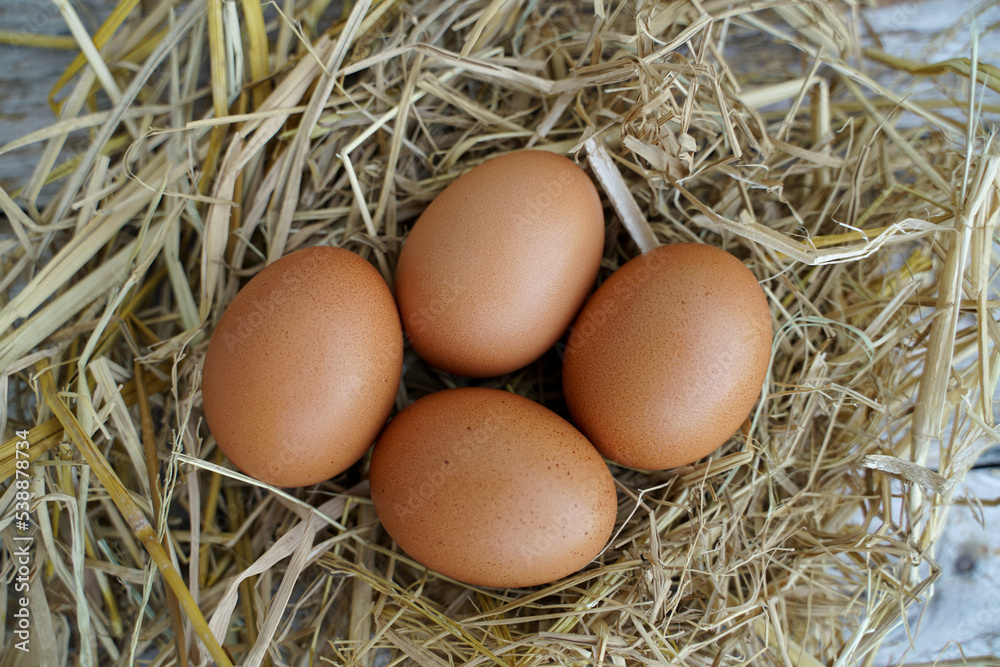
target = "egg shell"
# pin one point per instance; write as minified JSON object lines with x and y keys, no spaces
{"x":668,"y":356}
{"x":497,"y":266}
{"x":303,"y":368}
{"x":491,"y":488}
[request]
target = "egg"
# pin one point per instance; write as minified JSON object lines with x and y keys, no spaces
{"x":494,"y":270}
{"x":491,"y":488}
{"x":668,"y":356}
{"x":302,"y":370}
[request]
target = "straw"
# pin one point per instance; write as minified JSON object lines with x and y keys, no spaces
{"x":224,"y":135}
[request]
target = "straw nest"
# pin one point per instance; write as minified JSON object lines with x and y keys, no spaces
{"x":223,"y":135}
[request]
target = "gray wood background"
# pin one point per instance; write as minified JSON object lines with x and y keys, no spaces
{"x":964,"y":614}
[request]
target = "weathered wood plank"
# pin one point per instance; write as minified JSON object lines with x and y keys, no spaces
{"x":27,"y":75}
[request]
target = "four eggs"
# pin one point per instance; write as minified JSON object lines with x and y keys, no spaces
{"x":662,"y":365}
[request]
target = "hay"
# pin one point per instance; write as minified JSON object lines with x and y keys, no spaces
{"x":224,"y":137}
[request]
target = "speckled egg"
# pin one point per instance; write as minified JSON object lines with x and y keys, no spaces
{"x":668,"y":356}
{"x":303,"y":368}
{"x":497,"y":266}
{"x":491,"y":488}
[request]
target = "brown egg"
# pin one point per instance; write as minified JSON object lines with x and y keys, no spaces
{"x":668,"y":356}
{"x":302,"y":370}
{"x":495,"y":269}
{"x":491,"y":488}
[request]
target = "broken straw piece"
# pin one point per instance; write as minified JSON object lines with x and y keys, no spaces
{"x":621,"y":198}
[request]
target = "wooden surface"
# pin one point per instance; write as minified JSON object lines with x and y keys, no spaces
{"x":964,"y":614}
{"x":28,"y":74}
{"x":963,"y":617}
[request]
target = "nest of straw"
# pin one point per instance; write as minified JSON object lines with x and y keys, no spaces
{"x":223,"y":135}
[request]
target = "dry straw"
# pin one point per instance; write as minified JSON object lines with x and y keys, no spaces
{"x":223,"y":135}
